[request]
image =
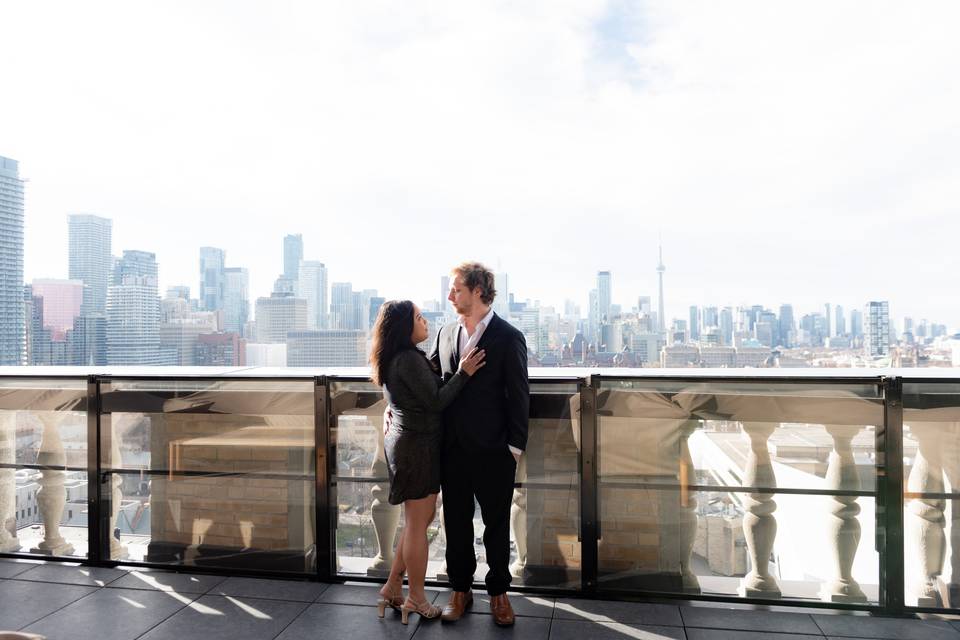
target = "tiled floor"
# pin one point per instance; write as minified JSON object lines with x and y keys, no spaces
{"x":76,"y":602}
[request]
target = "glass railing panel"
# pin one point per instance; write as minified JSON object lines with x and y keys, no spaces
{"x":769,"y":463}
{"x":211,"y":473}
{"x":931,"y":516}
{"x":43,"y":467}
{"x":545,"y":547}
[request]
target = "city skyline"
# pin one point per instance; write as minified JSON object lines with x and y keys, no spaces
{"x":800,"y":175}
{"x":613,"y":296}
{"x":296,"y":325}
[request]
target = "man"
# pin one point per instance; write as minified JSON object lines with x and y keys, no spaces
{"x":485,"y":432}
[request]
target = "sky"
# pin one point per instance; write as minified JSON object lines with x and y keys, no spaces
{"x":801,"y":152}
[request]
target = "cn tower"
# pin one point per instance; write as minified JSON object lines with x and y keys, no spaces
{"x":660,"y":269}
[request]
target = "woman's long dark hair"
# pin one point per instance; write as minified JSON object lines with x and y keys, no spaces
{"x":391,"y":334}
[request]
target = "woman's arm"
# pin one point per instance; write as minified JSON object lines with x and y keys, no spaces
{"x":425,"y":386}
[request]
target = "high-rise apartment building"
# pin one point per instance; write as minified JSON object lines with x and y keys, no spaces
{"x":876,"y":329}
{"x":292,"y":255}
{"x":12,"y":318}
{"x":61,"y":304}
{"x":90,"y":247}
{"x":133,"y":311}
{"x":278,"y":315}
{"x":312,"y":287}
{"x":212,"y":277}
{"x":236,"y":299}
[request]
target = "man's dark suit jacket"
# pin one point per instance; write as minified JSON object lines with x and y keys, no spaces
{"x":492,"y":410}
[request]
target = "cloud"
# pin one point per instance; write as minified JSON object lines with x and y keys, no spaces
{"x":774,"y":145}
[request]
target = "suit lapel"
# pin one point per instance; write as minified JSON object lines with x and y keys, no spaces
{"x":490,"y":332}
{"x":453,"y":344}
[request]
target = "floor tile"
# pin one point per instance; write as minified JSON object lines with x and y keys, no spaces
{"x":736,"y":634}
{"x":337,"y":621}
{"x":368,"y":594}
{"x":167,"y":581}
{"x":523,"y":605}
{"x":476,"y":627}
{"x":109,"y":614}
{"x":290,"y":590}
{"x":227,"y":618}
{"x":862,"y":626}
{"x":612,"y":611}
{"x":22,"y":603}
{"x":10,"y":568}
{"x":769,"y":621}
{"x":581,"y":630}
{"x":72,"y":574}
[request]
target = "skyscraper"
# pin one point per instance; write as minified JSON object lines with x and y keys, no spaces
{"x":695,"y":322}
{"x":236,"y":299}
{"x":341,"y":305}
{"x":292,"y":255}
{"x":312,"y":287}
{"x":133,"y":311}
{"x":788,"y":327}
{"x":840,"y":324}
{"x":91,"y":259}
{"x":12,"y":320}
{"x":604,"y":294}
{"x":501,"y":303}
{"x":876,"y":329}
{"x":212,"y":265}
{"x":726,"y":326}
{"x":660,"y":269}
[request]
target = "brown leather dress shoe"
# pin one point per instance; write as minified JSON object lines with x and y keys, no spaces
{"x":459,"y":602}
{"x":501,"y":610}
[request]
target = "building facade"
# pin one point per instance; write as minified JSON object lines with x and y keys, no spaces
{"x":90,"y":247}
{"x":12,"y":318}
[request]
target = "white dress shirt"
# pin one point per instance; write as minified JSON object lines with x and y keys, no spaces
{"x":466,"y":342}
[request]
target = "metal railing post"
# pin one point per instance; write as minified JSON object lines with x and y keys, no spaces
{"x":890,"y":510}
{"x":95,"y":537}
{"x":589,"y":507}
{"x":326,"y":553}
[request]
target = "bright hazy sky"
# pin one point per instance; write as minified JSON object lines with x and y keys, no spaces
{"x":802,"y":152}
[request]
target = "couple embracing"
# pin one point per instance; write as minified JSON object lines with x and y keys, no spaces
{"x":457,"y":420}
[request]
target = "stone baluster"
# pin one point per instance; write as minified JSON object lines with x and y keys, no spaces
{"x":8,"y":485}
{"x":951,"y":468}
{"x":687,"y":514}
{"x":386,"y":517}
{"x":52,"y":496}
{"x":759,"y":525}
{"x":843,"y":529}
{"x":118,"y":551}
{"x":518,"y":522}
{"x":924,"y":522}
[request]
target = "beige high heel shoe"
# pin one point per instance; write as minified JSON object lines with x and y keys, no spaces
{"x":394,"y":601}
{"x":423,"y":609}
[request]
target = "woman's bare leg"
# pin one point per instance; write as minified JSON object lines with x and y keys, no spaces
{"x":418,"y":515}
{"x":397,"y":569}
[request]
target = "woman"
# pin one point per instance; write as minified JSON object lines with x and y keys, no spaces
{"x":416,"y":397}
